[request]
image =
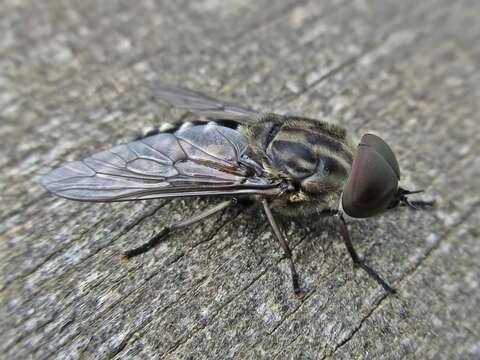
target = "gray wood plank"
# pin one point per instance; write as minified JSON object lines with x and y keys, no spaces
{"x":72,"y":80}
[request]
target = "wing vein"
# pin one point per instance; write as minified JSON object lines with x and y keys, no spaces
{"x":201,"y":150}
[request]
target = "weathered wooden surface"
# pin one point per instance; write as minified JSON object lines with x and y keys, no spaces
{"x":72,"y":76}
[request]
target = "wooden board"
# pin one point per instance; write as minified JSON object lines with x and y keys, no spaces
{"x":72,"y":81}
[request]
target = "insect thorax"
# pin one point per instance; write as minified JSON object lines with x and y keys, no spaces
{"x":312,"y":156}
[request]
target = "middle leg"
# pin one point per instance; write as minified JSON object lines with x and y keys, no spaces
{"x":299,"y":292}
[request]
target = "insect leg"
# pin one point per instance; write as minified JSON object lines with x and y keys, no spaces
{"x":356,"y":259}
{"x":155,"y":240}
{"x":300,"y":293}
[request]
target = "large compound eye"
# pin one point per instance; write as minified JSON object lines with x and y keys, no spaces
{"x":373,"y":182}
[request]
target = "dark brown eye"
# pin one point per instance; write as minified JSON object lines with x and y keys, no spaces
{"x":373,"y":181}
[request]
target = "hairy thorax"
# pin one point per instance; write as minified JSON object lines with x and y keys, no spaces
{"x":312,"y":157}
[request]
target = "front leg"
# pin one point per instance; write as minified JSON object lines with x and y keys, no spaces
{"x":356,"y":259}
{"x":299,"y":292}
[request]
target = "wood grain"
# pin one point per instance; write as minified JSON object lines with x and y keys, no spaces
{"x":72,"y":81}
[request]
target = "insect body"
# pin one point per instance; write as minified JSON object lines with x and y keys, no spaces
{"x":294,"y":166}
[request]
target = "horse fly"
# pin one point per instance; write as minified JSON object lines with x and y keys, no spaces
{"x":293,"y":166}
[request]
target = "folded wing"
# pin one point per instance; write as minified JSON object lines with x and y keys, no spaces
{"x":200,"y":160}
{"x":201,"y":104}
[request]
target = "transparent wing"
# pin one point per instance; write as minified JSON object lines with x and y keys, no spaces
{"x":200,"y":160}
{"x":201,"y":104}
